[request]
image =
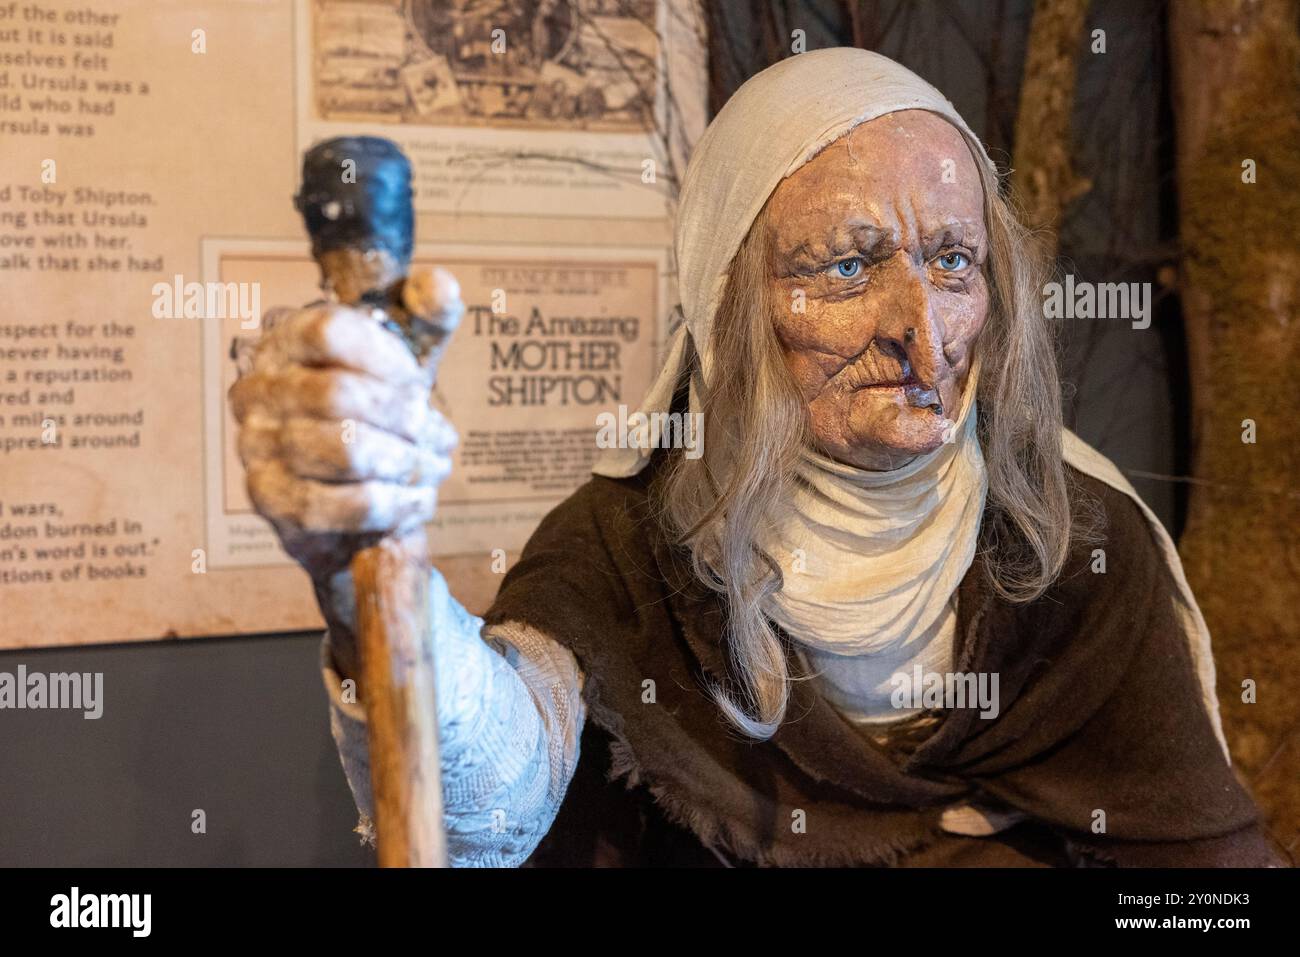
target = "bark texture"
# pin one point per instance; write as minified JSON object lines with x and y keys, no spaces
{"x":1237,"y":98}
{"x":1045,"y":178}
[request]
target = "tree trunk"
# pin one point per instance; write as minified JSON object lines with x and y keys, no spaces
{"x":1237,"y":99}
{"x":1045,"y":180}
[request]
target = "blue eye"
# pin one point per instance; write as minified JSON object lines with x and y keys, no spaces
{"x":848,"y":268}
{"x":954,"y":261}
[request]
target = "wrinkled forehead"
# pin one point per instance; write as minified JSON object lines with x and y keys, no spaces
{"x":905,"y":176}
{"x":777,"y":123}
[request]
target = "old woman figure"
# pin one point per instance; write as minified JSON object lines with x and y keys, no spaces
{"x":891,"y":613}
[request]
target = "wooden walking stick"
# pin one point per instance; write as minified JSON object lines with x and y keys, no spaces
{"x":356,"y":202}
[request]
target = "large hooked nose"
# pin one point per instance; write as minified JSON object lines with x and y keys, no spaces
{"x":909,"y":328}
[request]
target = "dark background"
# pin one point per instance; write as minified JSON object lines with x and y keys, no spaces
{"x":239,"y":726}
{"x":235,"y":726}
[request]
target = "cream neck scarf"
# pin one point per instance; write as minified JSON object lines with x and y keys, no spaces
{"x":871,"y":559}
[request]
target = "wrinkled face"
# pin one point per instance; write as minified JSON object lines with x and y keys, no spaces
{"x":878,"y":245}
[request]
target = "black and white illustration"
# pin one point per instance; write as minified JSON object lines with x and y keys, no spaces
{"x":548,"y":64}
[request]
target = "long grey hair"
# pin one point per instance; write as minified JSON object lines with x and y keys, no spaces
{"x":716,"y":505}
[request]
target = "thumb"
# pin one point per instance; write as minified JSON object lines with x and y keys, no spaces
{"x":431,"y":297}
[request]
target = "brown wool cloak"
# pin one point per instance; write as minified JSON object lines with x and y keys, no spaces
{"x":1100,"y":711}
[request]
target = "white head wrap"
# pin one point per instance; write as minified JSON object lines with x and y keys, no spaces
{"x":775,"y":123}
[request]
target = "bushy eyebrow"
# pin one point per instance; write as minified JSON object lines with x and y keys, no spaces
{"x":852,"y":237}
{"x":954,"y":232}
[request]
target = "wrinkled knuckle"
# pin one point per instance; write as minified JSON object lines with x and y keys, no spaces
{"x":316,"y":445}
{"x":266,"y":488}
{"x":245,"y":396}
{"x":250,"y":445}
{"x":314,"y":507}
{"x":336,"y":392}
{"x":318,"y":330}
{"x":271,"y":325}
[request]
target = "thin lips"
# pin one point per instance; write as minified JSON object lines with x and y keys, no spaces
{"x":902,"y":375}
{"x":907,"y":380}
{"x":907,"y":383}
{"x":872,"y":370}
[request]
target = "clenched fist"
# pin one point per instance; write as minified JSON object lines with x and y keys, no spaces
{"x":337,"y":433}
